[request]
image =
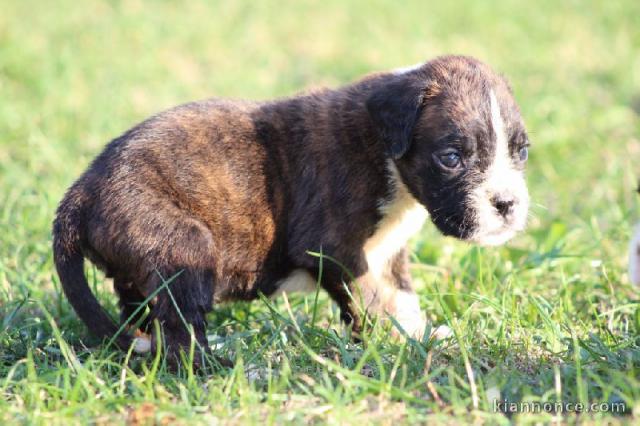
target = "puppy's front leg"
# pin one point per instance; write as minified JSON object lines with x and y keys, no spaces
{"x":376,"y":291}
{"x":382,"y":292}
{"x":387,"y":291}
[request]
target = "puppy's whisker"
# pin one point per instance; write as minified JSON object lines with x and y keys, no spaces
{"x":540,"y":206}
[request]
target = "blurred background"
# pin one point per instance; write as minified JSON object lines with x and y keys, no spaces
{"x":74,"y":75}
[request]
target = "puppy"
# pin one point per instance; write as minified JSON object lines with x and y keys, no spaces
{"x":229,"y":197}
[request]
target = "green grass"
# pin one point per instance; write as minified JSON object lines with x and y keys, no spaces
{"x":551,"y":317}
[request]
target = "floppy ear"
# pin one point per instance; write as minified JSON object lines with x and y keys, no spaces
{"x":394,"y":108}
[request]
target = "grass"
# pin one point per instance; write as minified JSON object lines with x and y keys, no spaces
{"x":550,"y":317}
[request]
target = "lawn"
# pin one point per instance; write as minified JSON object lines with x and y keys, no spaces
{"x":551,"y":317}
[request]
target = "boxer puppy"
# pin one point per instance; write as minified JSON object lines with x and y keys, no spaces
{"x":229,"y":197}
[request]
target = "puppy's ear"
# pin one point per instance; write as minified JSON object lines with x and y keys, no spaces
{"x":394,"y":108}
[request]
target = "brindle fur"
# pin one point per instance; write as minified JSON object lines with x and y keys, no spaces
{"x":231,"y":196}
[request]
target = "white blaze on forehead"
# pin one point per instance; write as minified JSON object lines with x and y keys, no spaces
{"x":502,"y":146}
{"x":402,"y":217}
{"x":504,"y":181}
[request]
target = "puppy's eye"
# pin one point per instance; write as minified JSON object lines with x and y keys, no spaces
{"x":523,"y":154}
{"x":450,"y":160}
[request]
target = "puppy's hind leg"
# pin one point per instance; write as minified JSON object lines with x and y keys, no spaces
{"x":171,"y":257}
{"x":181,"y":309}
{"x":130,"y":301}
{"x":184,"y":268}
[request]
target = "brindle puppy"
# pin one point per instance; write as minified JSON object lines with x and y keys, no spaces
{"x":232,"y":196}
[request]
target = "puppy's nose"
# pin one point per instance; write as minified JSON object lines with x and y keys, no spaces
{"x":504,"y":204}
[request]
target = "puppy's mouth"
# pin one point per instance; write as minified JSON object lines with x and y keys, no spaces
{"x":486,"y":230}
{"x":494,"y":238}
{"x":496,"y":230}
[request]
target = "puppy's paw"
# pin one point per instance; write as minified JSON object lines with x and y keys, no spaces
{"x":441,"y":332}
{"x":408,"y":315}
{"x":142,"y":344}
{"x":413,"y":321}
{"x":416,"y":330}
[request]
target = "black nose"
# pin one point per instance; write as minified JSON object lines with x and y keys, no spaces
{"x":504,"y":205}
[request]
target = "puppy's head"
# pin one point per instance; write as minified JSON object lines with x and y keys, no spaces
{"x":456,"y":136}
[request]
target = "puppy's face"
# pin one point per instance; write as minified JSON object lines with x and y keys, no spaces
{"x":463,"y":151}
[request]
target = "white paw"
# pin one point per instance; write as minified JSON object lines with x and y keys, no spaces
{"x":409,"y":315}
{"x":413,"y":321}
{"x":441,"y":332}
{"x":141,"y":345}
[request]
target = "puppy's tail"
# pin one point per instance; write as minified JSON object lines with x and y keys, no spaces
{"x":69,"y":261}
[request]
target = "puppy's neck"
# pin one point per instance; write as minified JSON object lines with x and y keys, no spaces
{"x":402,"y":217}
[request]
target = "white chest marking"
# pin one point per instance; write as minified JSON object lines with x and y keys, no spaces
{"x":402,"y":217}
